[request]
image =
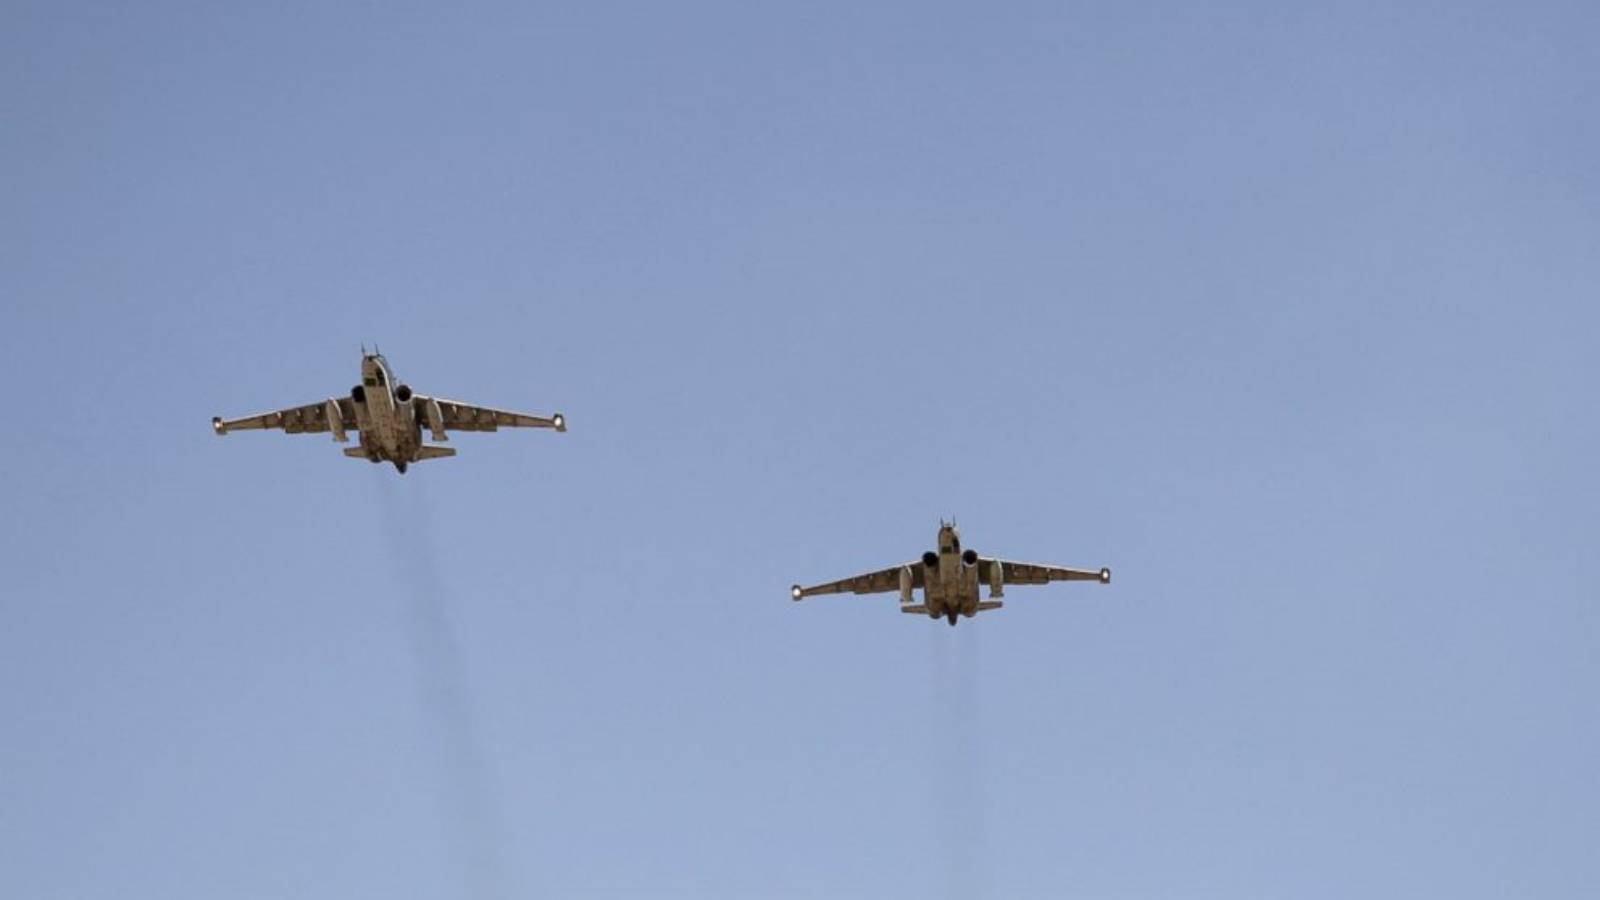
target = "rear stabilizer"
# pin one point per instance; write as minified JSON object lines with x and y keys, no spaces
{"x":426,"y":452}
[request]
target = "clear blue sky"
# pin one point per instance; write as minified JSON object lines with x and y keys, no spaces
{"x":1286,"y":314}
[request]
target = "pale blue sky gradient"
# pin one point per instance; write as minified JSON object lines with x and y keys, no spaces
{"x":1286,"y":314}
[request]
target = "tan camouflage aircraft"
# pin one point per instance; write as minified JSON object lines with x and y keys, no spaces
{"x":389,"y":417}
{"x":950,"y":580}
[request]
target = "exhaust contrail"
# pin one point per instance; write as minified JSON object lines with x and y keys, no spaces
{"x":958,"y":777}
{"x":470,"y":814}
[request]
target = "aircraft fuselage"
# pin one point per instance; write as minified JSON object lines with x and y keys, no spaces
{"x":390,"y":430}
{"x":950,"y":578}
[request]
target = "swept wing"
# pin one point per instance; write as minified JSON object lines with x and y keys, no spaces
{"x":1032,"y":573}
{"x":458,"y":416}
{"x":880,"y":582}
{"x":337,"y":413}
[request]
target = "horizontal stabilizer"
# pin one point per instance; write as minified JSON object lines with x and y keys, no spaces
{"x":357,"y":452}
{"x":434,"y":452}
{"x":916,"y":608}
{"x":989,"y":604}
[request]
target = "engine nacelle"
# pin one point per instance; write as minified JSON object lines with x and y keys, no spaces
{"x":358,"y":394}
{"x":997,"y":579}
{"x":905,"y":584}
{"x":403,"y":393}
{"x":930,"y":559}
{"x":969,"y":558}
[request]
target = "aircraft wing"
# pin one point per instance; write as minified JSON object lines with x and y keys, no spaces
{"x":880,"y":582}
{"x":1029,"y":573}
{"x":460,"y":416}
{"x":313,"y":417}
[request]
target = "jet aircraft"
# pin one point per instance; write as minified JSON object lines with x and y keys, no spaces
{"x":950,"y":580}
{"x":389,"y":417}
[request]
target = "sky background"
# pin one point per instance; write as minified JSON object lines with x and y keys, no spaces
{"x":1288,"y":315}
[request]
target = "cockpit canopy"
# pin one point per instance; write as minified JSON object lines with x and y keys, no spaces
{"x":376,"y":371}
{"x":949,"y":539}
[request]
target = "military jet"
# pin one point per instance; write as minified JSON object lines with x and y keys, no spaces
{"x":950,"y":580}
{"x":390,"y":418}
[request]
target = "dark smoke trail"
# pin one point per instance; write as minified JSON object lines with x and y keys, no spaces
{"x":958,"y":777}
{"x":469,"y":812}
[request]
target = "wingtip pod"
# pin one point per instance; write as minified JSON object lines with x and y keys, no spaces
{"x":1105,"y":576}
{"x":217,"y":426}
{"x":560,"y":422}
{"x":795,"y":593}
